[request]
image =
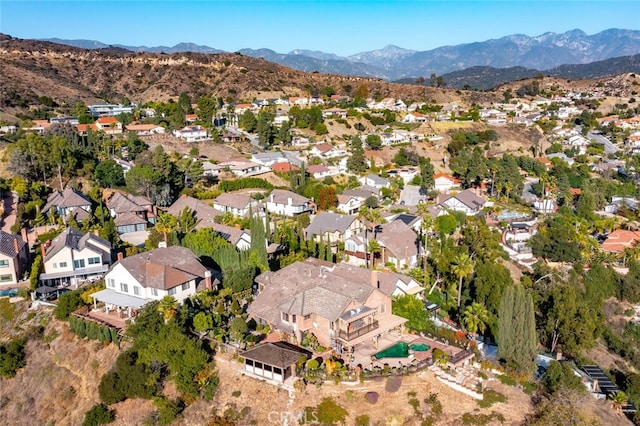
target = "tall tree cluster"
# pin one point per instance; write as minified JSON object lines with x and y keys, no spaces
{"x":517,"y":338}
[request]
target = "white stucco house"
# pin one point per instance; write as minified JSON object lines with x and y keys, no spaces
{"x":287,"y":203}
{"x":192,"y":133}
{"x":73,"y":256}
{"x":134,"y":281}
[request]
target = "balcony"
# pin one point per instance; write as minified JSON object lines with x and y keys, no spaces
{"x":354,"y":334}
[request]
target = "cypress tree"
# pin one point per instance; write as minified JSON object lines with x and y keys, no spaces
{"x":517,"y":339}
{"x":258,"y":244}
{"x":328,"y":254}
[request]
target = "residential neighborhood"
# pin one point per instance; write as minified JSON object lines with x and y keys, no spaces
{"x":334,"y":237}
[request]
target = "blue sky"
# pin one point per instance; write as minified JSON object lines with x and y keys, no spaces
{"x":342,"y":27}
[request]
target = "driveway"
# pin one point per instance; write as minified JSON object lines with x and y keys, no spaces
{"x":9,"y":217}
{"x":609,"y":147}
{"x":411,"y":195}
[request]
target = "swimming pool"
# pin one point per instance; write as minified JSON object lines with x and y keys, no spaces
{"x":511,"y":215}
{"x":11,"y":292}
{"x":419,"y":347}
{"x":401,"y":350}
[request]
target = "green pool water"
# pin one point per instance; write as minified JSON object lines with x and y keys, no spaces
{"x":419,"y":347}
{"x":399,"y":350}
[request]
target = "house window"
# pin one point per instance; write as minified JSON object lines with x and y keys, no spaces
{"x":94,"y":261}
{"x":185,"y":286}
{"x":112,"y":283}
{"x":382,"y":309}
{"x":307,"y":317}
{"x":78,"y":263}
{"x":63,"y":264}
{"x":293,"y":318}
{"x":136,"y":290}
{"x":154,"y":292}
{"x":285,"y":317}
{"x":172,"y":291}
{"x":4,"y":263}
{"x":6,"y":278}
{"x":124,"y":288}
{"x":55,"y":265}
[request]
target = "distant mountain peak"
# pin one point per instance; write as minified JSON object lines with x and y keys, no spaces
{"x":392,"y":62}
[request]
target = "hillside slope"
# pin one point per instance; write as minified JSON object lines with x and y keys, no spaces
{"x":29,"y":69}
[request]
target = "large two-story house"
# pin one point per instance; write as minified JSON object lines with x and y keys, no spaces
{"x":333,"y":228}
{"x":131,"y":213}
{"x":13,"y":258}
{"x":399,"y":245}
{"x":237,"y":204}
{"x":288,"y":203}
{"x":73,"y":256}
{"x":307,"y":297}
{"x":134,"y":281}
{"x":68,"y":202}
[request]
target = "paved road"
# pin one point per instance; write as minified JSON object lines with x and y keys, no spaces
{"x":411,"y":195}
{"x":527,"y":192}
{"x":609,"y":147}
{"x":253,"y":138}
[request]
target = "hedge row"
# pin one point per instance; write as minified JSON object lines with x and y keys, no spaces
{"x":94,"y":331}
{"x":248,"y":182}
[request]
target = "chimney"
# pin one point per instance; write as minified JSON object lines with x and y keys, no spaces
{"x":16,"y":246}
{"x":207,"y":279}
{"x":42,"y":250}
{"x":374,"y":279}
{"x":289,"y":201}
{"x":96,"y":232}
{"x":559,"y":355}
{"x":24,"y":234}
{"x":120,"y":255}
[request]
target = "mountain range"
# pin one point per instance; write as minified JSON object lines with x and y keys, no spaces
{"x":541,"y":52}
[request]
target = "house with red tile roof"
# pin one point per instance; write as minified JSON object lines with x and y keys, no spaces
{"x":283,"y":167}
{"x":619,"y":240}
{"x":109,"y":125}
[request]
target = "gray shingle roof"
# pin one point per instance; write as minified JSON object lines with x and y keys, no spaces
{"x":469,"y":198}
{"x":67,"y":198}
{"x":304,"y":287}
{"x":329,"y":222}
{"x":164,"y":268}
{"x":281,"y":196}
{"x":124,"y":203}
{"x":78,"y":241}
{"x":203,"y":212}
{"x":237,"y":201}
{"x":8,"y":244}
{"x":276,"y":354}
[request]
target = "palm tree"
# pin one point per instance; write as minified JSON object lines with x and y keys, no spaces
{"x":475,"y":318}
{"x":165,"y":224}
{"x":373,"y":247}
{"x":618,"y":400}
{"x":462,"y":267}
{"x":168,"y":307}
{"x":371,"y":219}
